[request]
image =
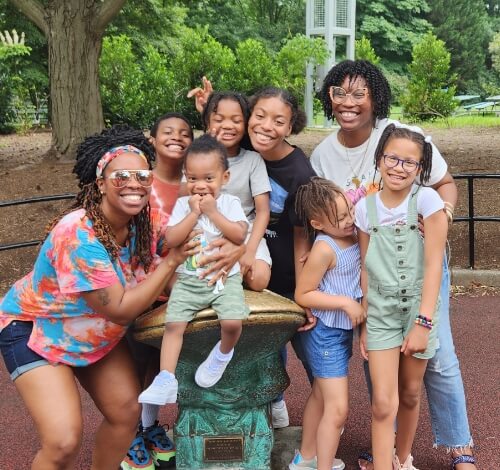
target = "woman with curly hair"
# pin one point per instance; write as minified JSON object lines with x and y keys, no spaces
{"x":64,"y":322}
{"x":357,"y":95}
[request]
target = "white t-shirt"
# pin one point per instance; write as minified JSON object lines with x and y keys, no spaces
{"x":331,"y":160}
{"x":229,"y":206}
{"x":428,"y":202}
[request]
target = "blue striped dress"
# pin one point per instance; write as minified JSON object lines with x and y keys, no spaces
{"x":343,"y":279}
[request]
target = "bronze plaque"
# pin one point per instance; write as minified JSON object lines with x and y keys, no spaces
{"x":224,"y":448}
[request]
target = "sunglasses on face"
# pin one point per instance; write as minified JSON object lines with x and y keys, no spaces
{"x":120,"y":178}
{"x":391,"y":161}
{"x":339,"y":95}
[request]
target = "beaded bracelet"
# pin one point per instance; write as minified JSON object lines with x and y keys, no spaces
{"x":426,"y":322}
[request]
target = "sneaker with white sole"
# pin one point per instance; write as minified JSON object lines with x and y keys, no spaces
{"x":407,"y":465}
{"x":279,"y":414}
{"x":210,"y":371}
{"x":299,"y":463}
{"x":160,"y":392}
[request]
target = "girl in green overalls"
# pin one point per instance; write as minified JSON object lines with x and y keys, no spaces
{"x":400,"y":279}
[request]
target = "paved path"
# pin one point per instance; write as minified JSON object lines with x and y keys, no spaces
{"x":475,"y":323}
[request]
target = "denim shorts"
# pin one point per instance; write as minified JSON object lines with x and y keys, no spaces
{"x":328,"y":350}
{"x":18,"y":357}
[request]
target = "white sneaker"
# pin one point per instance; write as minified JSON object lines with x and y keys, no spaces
{"x":407,"y":465}
{"x":279,"y":414}
{"x":338,"y":464}
{"x":210,"y":371}
{"x":160,"y":392}
{"x":299,"y":463}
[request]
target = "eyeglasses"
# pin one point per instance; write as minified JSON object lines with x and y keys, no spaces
{"x":120,"y":178}
{"x":391,"y":161}
{"x":339,"y":95}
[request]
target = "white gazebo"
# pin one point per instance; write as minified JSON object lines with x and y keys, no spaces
{"x":332,"y":20}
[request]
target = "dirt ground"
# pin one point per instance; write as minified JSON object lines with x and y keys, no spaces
{"x":24,"y":173}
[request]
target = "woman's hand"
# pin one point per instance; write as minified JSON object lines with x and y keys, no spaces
{"x":221,"y":262}
{"x":201,"y":95}
{"x":179,"y":254}
{"x":416,"y":341}
{"x":247,"y":264}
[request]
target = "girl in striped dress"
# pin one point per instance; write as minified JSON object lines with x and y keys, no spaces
{"x":329,"y":284}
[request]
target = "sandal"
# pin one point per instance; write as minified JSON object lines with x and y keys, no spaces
{"x":366,"y":456}
{"x":462,"y":459}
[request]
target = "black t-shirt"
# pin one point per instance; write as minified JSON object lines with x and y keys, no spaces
{"x":285,"y":176}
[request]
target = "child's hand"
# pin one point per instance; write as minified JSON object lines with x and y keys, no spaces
{"x":363,"y":341}
{"x":416,"y":341}
{"x":202,"y":94}
{"x":208,"y":205}
{"x":194,"y":203}
{"x":310,"y":323}
{"x":355,"y":312}
{"x":304,"y":257}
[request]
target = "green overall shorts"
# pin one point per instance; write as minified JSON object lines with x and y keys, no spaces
{"x":395,"y":267}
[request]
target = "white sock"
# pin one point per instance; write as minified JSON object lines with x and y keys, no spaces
{"x":223,"y":357}
{"x":149,"y":414}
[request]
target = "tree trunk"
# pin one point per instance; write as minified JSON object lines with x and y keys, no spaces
{"x":74,"y":50}
{"x":74,"y":30}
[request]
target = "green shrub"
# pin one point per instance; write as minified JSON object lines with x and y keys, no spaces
{"x":431,"y":90}
{"x":363,"y":50}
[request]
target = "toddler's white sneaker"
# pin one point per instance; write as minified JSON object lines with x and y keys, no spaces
{"x":163,"y":390}
{"x":211,"y":369}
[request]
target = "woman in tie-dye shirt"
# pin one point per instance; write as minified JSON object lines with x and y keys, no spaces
{"x":65,"y":320}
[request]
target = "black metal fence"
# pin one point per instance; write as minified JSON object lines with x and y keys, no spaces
{"x":471,"y":217}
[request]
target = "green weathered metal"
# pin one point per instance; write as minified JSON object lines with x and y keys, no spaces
{"x":229,"y":425}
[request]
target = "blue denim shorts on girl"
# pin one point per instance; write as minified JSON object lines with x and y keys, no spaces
{"x":18,"y":357}
{"x":328,"y":350}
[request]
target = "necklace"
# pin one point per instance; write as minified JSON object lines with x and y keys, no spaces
{"x":355,"y":174}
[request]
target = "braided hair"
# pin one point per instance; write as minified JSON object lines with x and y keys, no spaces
{"x":393,"y":132}
{"x":299,"y":118}
{"x":316,"y":198}
{"x":377,"y":84}
{"x":89,"y":153}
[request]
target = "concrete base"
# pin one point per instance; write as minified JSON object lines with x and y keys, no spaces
{"x":465,"y":277}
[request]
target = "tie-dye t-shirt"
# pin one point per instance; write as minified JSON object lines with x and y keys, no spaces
{"x":71,"y":261}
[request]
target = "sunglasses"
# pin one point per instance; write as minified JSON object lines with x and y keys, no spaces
{"x":120,"y":178}
{"x":391,"y":161}
{"x":339,"y":95}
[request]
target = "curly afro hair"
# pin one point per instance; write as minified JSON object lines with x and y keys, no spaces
{"x":378,"y":86}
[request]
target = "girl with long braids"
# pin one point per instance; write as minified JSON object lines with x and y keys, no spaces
{"x":97,"y":270}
